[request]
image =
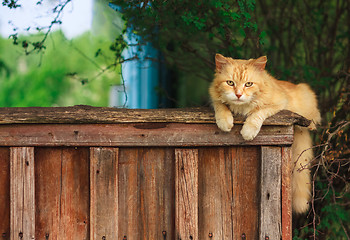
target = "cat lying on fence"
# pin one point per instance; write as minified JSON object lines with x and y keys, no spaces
{"x":245,"y":87}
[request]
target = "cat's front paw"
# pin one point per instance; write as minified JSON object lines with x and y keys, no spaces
{"x":249,"y":132}
{"x":225,"y":123}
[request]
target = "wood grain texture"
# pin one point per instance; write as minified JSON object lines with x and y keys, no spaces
{"x":88,"y":114}
{"x":216,"y":201}
{"x":104,"y":193}
{"x":22,"y":193}
{"x":133,"y":135}
{"x":129,"y":195}
{"x":146,"y":193}
{"x":5,"y":193}
{"x":186,"y":194}
{"x":287,"y":168}
{"x":270,"y":187}
{"x":62,"y":193}
{"x":105,"y":173}
{"x":245,"y":172}
{"x":228,"y":190}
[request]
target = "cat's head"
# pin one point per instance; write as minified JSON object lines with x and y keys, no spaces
{"x":238,"y":81}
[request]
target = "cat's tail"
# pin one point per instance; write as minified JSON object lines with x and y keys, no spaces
{"x":307,"y":106}
{"x":302,"y":155}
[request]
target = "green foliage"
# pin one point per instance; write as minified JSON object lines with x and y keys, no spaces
{"x":305,"y":41}
{"x":189,"y":33}
{"x":106,"y":22}
{"x":117,"y":47}
{"x":301,"y":41}
{"x":10,"y":3}
{"x":66,"y":73}
{"x":333,"y":220}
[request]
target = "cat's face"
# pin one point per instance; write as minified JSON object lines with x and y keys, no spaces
{"x":236,"y":80}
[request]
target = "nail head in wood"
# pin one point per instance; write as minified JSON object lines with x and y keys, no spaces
{"x":243,"y":236}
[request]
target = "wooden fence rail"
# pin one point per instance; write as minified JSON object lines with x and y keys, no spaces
{"x":102,"y":173}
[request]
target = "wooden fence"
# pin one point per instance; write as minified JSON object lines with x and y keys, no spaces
{"x":102,"y":173}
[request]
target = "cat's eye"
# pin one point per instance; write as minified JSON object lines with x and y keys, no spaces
{"x":230,"y":83}
{"x":248,"y":84}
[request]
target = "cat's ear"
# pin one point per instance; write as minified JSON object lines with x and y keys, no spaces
{"x":260,"y":63}
{"x":220,"y":62}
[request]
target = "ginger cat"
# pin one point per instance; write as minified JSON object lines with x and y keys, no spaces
{"x":244,"y":87}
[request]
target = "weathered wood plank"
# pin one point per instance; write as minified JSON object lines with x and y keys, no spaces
{"x":5,"y":193}
{"x":88,"y":114}
{"x":146,"y":193}
{"x":228,"y":190}
{"x":186,"y":194}
{"x":22,"y":193}
{"x":62,"y":194}
{"x":270,"y":200}
{"x":215,"y":191}
{"x":104,"y":193}
{"x":245,"y":173}
{"x":114,"y":135}
{"x":48,"y":182}
{"x":287,"y":168}
{"x":129,"y":195}
{"x":156,"y":183}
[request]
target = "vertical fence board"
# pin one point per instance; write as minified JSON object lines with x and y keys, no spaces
{"x":22,"y":193}
{"x":146,"y":181}
{"x":228,"y":190}
{"x":155,"y":177}
{"x":186,"y":194}
{"x":270,"y":200}
{"x":128,"y":194}
{"x":104,"y":193}
{"x":287,"y":168}
{"x":216,"y":203}
{"x":48,"y":181}
{"x":5,"y":193}
{"x":245,"y":172}
{"x":62,"y":195}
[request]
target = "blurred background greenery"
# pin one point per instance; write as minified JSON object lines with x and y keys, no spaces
{"x":51,"y":78}
{"x":305,"y":41}
{"x":67,"y":71}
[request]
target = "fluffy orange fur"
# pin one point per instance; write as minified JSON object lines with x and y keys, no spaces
{"x":244,"y":87}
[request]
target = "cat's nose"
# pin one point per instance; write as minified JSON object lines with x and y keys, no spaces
{"x":238,"y":95}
